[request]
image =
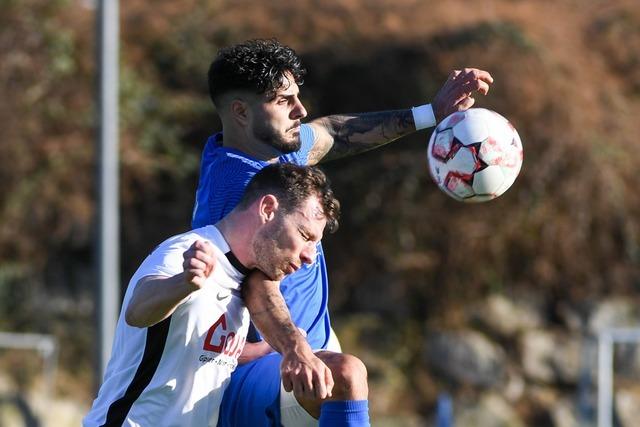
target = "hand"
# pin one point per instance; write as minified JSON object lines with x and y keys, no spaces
{"x":254,"y":350}
{"x":199,"y":262}
{"x":305,"y":374}
{"x":456,"y":93}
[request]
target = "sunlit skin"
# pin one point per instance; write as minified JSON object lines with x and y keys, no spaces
{"x":276,"y":121}
{"x":264,"y":127}
{"x":282,"y":245}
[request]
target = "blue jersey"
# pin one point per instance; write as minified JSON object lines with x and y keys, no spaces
{"x":224,"y":174}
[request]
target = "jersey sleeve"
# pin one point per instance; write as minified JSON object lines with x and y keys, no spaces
{"x":166,"y":259}
{"x":223,"y":178}
{"x":307,"y":139}
{"x":225,"y":173}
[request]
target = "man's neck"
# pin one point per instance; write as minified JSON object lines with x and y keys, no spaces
{"x":238,"y":234}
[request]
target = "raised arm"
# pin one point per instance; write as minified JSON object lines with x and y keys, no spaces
{"x":347,"y":134}
{"x":156,"y":297}
{"x":301,"y":370}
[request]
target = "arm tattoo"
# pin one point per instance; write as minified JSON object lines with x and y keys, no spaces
{"x":271,"y":316}
{"x":353,"y":134}
{"x":277,"y":309}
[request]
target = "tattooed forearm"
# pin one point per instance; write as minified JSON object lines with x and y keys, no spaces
{"x":352,"y":134}
{"x":270,"y":314}
{"x":274,"y":312}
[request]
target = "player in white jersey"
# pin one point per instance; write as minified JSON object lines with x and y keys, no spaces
{"x":183,"y":322}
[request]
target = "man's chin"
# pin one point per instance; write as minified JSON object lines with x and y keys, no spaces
{"x":287,"y":147}
{"x":276,"y":276}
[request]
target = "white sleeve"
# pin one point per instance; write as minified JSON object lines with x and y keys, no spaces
{"x":167,"y":258}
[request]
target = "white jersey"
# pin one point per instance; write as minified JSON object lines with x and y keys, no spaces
{"x":174,"y":373}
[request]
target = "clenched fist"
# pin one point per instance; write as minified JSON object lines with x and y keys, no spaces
{"x":199,"y":262}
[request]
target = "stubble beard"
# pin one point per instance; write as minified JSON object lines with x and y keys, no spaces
{"x":270,"y":136}
{"x":265,"y":248}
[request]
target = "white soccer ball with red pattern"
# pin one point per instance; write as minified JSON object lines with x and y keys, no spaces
{"x":474,"y":155}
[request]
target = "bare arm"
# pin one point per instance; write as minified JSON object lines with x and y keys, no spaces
{"x":301,"y":370}
{"x":254,"y":350}
{"x":155,"y":298}
{"x":270,"y":314}
{"x":344,"y":135}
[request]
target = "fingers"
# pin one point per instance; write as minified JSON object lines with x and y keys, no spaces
{"x":199,"y":262}
{"x":304,"y":387}
{"x":194,"y":263}
{"x":322,"y":382}
{"x":468,"y":74}
{"x":474,"y":85}
{"x":299,"y":380}
{"x":482,"y":86}
{"x":328,"y":379}
{"x":200,"y":256}
{"x":466,"y":103}
{"x":313,"y":385}
{"x":470,"y":80}
{"x":287,"y":383}
{"x":308,"y":381}
{"x":327,"y":383}
{"x":457,"y":92}
{"x":319,"y":387}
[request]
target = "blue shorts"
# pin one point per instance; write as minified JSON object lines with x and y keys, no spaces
{"x":252,"y":398}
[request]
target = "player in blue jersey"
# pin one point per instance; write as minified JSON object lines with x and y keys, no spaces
{"x":255,"y":89}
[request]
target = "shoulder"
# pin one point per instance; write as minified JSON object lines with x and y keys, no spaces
{"x":224,"y":167}
{"x":217,"y":159}
{"x":176,"y":244}
{"x":307,"y":140}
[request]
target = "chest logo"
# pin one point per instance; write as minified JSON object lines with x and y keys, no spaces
{"x":219,"y":340}
{"x":221,"y":296}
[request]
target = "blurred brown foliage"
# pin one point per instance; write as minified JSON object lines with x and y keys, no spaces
{"x":566,"y":73}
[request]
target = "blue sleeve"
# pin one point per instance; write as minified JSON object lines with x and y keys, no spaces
{"x":224,"y":174}
{"x":223,"y":178}
{"x":307,"y":139}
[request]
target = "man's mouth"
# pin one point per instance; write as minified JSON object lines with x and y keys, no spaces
{"x":295,"y":127}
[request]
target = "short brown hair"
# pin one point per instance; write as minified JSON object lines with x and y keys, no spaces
{"x":292,"y":184}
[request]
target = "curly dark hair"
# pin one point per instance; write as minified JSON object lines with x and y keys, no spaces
{"x":292,"y":185}
{"x":256,"y":65}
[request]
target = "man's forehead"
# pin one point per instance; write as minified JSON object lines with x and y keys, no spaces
{"x":289,"y":85}
{"x":312,"y":209}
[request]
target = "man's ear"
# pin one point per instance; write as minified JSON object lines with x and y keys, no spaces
{"x":239,"y":111}
{"x":268,"y":207}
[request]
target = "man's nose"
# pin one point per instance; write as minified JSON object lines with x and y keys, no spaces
{"x":298,"y":112}
{"x":308,"y":254}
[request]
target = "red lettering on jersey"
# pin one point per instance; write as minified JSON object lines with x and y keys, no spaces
{"x":230,"y":344}
{"x":241,"y":343}
{"x":231,"y":340}
{"x":208,"y":345}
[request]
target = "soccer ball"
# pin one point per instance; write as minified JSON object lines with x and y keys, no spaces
{"x":474,"y":155}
